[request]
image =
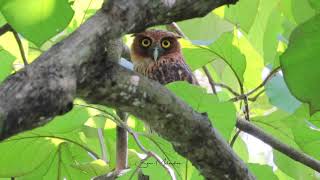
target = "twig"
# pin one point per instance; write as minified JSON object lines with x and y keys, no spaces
{"x":242,"y":96}
{"x":234,"y":138}
{"x":256,"y":96}
{"x":85,"y":12}
{"x":151,"y":154}
{"x":102,"y":145}
{"x":246,"y":104}
{"x":210,"y":79}
{"x":264,"y":82}
{"x":301,"y":157}
{"x":139,"y":165}
{"x":228,"y":88}
{"x":23,"y":56}
{"x":5,"y":28}
{"x":175,"y":28}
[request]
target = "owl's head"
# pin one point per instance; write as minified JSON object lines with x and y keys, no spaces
{"x":150,"y":45}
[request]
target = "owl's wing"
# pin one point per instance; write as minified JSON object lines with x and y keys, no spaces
{"x":172,"y":71}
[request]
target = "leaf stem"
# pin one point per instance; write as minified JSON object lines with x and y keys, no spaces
{"x":22,"y":53}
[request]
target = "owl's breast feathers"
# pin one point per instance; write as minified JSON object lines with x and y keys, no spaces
{"x":167,"y":70}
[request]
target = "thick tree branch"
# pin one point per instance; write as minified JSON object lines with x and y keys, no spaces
{"x":190,"y":132}
{"x":305,"y":159}
{"x":77,"y":67}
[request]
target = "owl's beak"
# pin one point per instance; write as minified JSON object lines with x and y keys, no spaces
{"x":155,"y":54}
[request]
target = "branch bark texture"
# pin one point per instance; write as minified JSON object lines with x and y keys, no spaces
{"x":77,"y":67}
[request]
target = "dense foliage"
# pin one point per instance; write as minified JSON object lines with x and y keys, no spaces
{"x":239,"y":45}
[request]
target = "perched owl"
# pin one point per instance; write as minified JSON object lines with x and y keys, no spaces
{"x":157,"y":55}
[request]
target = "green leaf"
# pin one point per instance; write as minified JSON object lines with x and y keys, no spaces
{"x":292,"y":168}
{"x":274,"y":124}
{"x":208,"y":28}
{"x":40,"y":19}
{"x":267,"y":26}
{"x":18,"y":154}
{"x":262,"y":172}
{"x":305,"y":134}
{"x":94,"y":168}
{"x":225,"y":49}
{"x":302,"y":10}
{"x":192,"y":54}
{"x":300,"y":63}
{"x":241,"y":14}
{"x":60,"y":163}
{"x":97,"y":121}
{"x":73,"y":120}
{"x":6,"y":60}
{"x":240,"y":147}
{"x":315,"y":4}
{"x":221,"y":114}
{"x":222,"y":48}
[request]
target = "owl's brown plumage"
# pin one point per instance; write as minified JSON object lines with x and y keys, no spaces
{"x":157,"y":55}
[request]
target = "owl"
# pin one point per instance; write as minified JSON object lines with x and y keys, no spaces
{"x":157,"y":55}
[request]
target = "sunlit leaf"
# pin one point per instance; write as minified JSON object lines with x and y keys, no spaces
{"x":262,"y":172}
{"x":6,"y":60}
{"x":94,"y":168}
{"x":18,"y":154}
{"x":222,"y":114}
{"x":40,"y":19}
{"x":302,"y":10}
{"x":241,"y":14}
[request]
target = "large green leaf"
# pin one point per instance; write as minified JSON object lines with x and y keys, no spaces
{"x":302,"y":10}
{"x":207,"y":28}
{"x":196,"y":55}
{"x":240,"y":147}
{"x":241,"y":14}
{"x":37,"y":20}
{"x":73,"y":120}
{"x":6,"y":60}
{"x":94,"y":168}
{"x":262,"y":172}
{"x":315,"y":4}
{"x":230,"y":53}
{"x":223,"y":48}
{"x":305,"y":134}
{"x":222,"y":114}
{"x":300,"y":63}
{"x":292,"y":168}
{"x":18,"y":154}
{"x":267,"y":27}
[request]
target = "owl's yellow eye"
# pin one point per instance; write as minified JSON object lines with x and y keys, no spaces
{"x":165,"y":44}
{"x":146,"y":42}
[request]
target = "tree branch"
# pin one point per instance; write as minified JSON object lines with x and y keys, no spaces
{"x":76,"y":67}
{"x":305,"y":159}
{"x":5,"y":28}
